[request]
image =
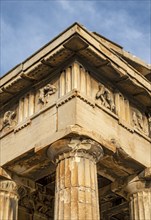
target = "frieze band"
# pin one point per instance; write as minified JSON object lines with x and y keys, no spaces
{"x":113,"y":101}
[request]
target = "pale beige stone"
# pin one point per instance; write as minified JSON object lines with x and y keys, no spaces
{"x":80,"y":86}
{"x":76,"y":165}
{"x":8,"y":200}
{"x":140,"y":205}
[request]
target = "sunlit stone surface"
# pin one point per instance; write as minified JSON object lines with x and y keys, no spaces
{"x":75,"y":132}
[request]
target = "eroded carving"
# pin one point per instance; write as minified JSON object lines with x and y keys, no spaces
{"x":38,"y":201}
{"x":138,"y":120}
{"x":149,"y":123}
{"x":106,"y":97}
{"x":9,"y":119}
{"x":73,"y":147}
{"x":45,"y":92}
{"x":86,"y":145}
{"x":23,"y":191}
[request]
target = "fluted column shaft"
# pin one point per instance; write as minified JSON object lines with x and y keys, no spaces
{"x":8,"y":200}
{"x":140,"y":205}
{"x":76,"y":187}
{"x":76,"y":191}
{"x":138,"y":189}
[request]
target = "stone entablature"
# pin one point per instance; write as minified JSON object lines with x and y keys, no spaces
{"x":74,"y":90}
{"x":75,"y":77}
{"x":74,"y":41}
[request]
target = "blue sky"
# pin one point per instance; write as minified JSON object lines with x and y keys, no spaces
{"x":28,"y":25}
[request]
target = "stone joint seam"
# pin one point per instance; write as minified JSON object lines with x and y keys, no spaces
{"x":74,"y":155}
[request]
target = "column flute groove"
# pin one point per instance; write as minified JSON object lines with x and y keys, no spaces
{"x":139,"y":195}
{"x":77,"y":191}
{"x":140,"y":206}
{"x":8,"y":200}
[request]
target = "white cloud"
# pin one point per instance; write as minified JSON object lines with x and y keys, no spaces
{"x":66,"y":6}
{"x":35,"y":23}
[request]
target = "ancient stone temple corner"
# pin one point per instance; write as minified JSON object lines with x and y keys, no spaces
{"x":75,"y":132}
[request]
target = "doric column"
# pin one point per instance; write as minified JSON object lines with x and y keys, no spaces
{"x":139,"y":191}
{"x":76,"y":192}
{"x":8,"y":200}
{"x":140,"y":205}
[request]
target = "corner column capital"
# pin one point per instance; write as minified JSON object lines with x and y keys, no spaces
{"x":73,"y":146}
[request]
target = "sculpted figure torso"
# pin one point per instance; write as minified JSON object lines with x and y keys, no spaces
{"x":106,"y":98}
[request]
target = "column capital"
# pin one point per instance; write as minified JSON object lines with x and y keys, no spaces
{"x":9,"y":186}
{"x":136,"y":185}
{"x":75,"y":146}
{"x":9,"y":199}
{"x":76,"y":191}
{"x":133,"y":184}
{"x":20,"y":181}
{"x":6,"y":183}
{"x":139,"y":191}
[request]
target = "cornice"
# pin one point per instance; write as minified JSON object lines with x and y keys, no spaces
{"x":75,"y":40}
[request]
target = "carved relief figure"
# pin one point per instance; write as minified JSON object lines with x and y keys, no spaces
{"x":149,"y":123}
{"x":45,"y":92}
{"x":106,"y":98}
{"x":138,"y":120}
{"x":149,"y":120}
{"x":8,"y":119}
